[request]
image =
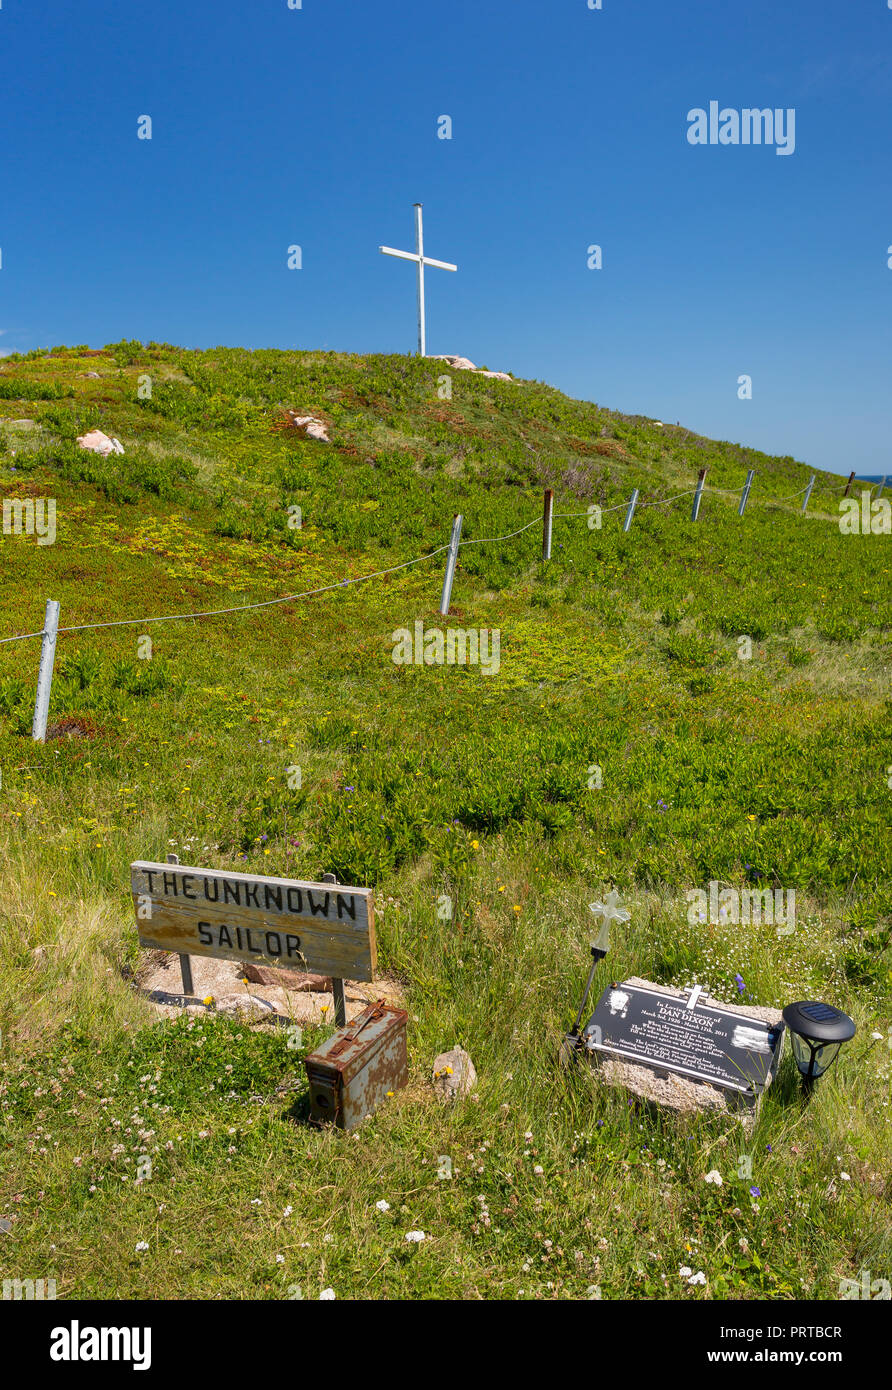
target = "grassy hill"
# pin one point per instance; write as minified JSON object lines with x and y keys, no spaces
{"x":426,"y":782}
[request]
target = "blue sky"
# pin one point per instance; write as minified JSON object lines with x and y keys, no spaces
{"x":318,"y":127}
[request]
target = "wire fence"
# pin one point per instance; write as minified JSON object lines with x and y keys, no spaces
{"x":416,"y":560}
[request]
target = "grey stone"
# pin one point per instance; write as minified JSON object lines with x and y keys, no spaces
{"x":247,"y":1006}
{"x":453,"y":1074}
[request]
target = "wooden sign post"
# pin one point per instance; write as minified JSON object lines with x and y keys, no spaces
{"x":321,"y":927}
{"x":337,"y":985}
{"x":185,"y":964}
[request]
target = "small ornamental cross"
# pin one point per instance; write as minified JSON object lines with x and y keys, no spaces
{"x":611,"y":910}
{"x":608,"y":912}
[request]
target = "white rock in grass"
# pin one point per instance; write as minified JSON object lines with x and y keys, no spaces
{"x":100,"y":443}
{"x":248,"y":1006}
{"x":464,"y":364}
{"x":316,"y":429}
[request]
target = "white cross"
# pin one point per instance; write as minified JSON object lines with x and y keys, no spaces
{"x":611,"y":910}
{"x":422,"y":261}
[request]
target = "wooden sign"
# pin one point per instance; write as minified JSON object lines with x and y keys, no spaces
{"x":322,"y":927}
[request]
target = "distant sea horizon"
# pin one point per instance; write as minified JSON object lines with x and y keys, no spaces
{"x":859,"y":477}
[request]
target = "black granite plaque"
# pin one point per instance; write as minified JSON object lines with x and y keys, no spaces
{"x":705,"y":1043}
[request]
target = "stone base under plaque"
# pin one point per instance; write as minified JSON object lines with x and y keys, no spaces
{"x":682,"y":1093}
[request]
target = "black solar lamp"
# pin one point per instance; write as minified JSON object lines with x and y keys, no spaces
{"x":817,"y":1032}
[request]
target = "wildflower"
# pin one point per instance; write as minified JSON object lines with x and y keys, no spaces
{"x":755,"y":1192}
{"x":288,"y":1211}
{"x":280,"y":1259}
{"x":698,"y":1278}
{"x":383,"y":1205}
{"x":141,"y":1245}
{"x":538,"y":1170}
{"x":714,"y":1176}
{"x":741,"y":987}
{"x":327,"y":1295}
{"x":415,"y":1237}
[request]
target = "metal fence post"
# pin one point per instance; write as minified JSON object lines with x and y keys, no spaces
{"x":547,"y":510}
{"x":701,"y":479}
{"x":746,"y":491}
{"x":45,"y":673}
{"x":630,"y":510}
{"x":451,"y":558}
{"x":185,"y":962}
{"x":879,"y":491}
{"x":337,"y":986}
{"x":808,"y":491}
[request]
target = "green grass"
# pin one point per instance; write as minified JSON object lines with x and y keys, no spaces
{"x":425,"y":782}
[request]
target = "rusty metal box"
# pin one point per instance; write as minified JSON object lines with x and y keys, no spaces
{"x":351,"y":1073}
